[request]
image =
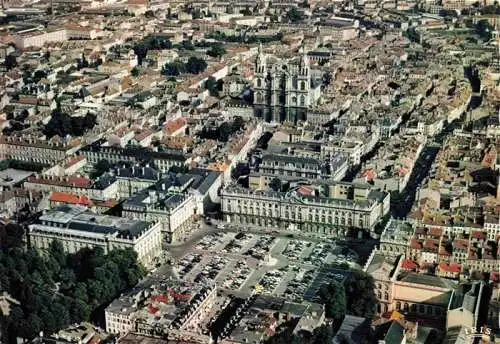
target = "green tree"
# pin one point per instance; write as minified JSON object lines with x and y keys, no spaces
{"x":135,"y":72}
{"x":56,"y":250}
{"x":293,"y":15}
{"x":333,"y":295}
{"x":211,"y":86}
{"x":238,"y":123}
{"x":101,"y":167}
{"x":361,"y":300}
{"x":10,"y":62}
{"x":491,"y":9}
{"x":60,"y":311}
{"x":11,"y":235}
{"x":483,"y":29}
{"x":79,"y":292}
{"x":39,"y":75}
{"x":225,"y":131}
{"x":30,"y":327}
{"x":195,"y":65}
{"x":275,"y":184}
{"x":174,"y":68}
{"x":216,"y":51}
{"x":80,"y":310}
{"x":246,"y":11}
{"x":141,"y":50}
{"x":67,"y":279}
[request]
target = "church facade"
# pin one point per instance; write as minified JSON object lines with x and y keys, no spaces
{"x":282,"y":88}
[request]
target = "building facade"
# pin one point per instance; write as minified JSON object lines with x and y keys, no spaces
{"x":282,"y":88}
{"x":342,"y":205}
{"x":31,"y":149}
{"x":76,"y":227}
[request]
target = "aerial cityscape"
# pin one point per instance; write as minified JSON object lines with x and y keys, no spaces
{"x":245,"y":172}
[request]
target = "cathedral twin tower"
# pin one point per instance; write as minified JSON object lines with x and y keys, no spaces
{"x":281,"y":88}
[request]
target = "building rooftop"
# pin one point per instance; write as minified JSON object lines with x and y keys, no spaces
{"x":79,"y":218}
{"x":159,"y":303}
{"x":434,"y":281}
{"x":10,"y":176}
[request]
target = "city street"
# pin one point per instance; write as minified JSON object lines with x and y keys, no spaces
{"x":402,"y":203}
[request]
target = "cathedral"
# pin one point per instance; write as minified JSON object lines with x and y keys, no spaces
{"x":282,"y":88}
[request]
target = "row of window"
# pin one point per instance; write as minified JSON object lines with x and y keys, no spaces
{"x":259,"y":98}
{"x":302,"y":84}
{"x":422,"y":309}
{"x":252,"y":204}
{"x":293,"y":216}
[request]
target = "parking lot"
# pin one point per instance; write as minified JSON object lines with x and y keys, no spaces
{"x":246,"y":263}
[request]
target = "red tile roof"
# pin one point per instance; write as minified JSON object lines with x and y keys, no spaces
{"x":461,"y":244}
{"x":416,"y":244}
{"x":409,"y":264}
{"x":369,"y":174}
{"x":456,"y":268}
{"x":431,"y":244}
{"x":436,"y":231}
{"x":420,"y":230}
{"x":477,"y":235}
{"x":76,"y":181}
{"x":74,"y":160}
{"x":174,"y":125}
{"x":305,"y":190}
{"x":64,"y":197}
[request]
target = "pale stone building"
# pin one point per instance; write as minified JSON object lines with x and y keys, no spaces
{"x":76,"y":227}
{"x":283,"y":89}
{"x":328,"y":209}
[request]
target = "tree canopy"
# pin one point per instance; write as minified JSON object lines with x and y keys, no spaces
{"x":195,"y":65}
{"x":217,"y":50}
{"x":293,"y":15}
{"x":62,"y":124}
{"x":151,"y":43}
{"x":212,"y":86}
{"x":275,"y":184}
{"x":10,"y":62}
{"x":333,"y":296}
{"x":174,"y":68}
{"x":56,"y":289}
{"x":360,"y":294}
{"x":483,"y":29}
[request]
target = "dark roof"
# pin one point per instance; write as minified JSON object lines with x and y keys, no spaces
{"x":354,"y":330}
{"x":290,"y":159}
{"x":139,"y":172}
{"x":136,"y":152}
{"x":394,"y":333}
{"x":207,"y":179}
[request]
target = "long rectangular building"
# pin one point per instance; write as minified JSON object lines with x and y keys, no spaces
{"x":328,"y":208}
{"x":76,"y":227}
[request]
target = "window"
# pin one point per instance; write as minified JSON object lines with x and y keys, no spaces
{"x":259,"y":82}
{"x":421,"y":308}
{"x":302,"y":86}
{"x":258,"y":98}
{"x":302,"y":100}
{"x":398,"y":305}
